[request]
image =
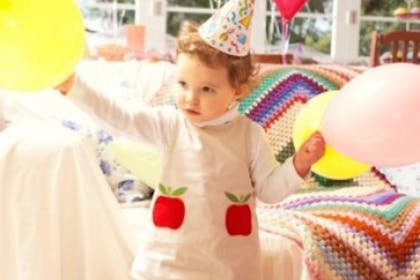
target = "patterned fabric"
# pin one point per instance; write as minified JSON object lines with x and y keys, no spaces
{"x":127,"y":187}
{"x":405,"y":178}
{"x":282,"y":92}
{"x":351,"y":233}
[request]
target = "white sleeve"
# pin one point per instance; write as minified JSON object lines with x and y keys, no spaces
{"x":150,"y":125}
{"x":2,"y":111}
{"x":13,"y":108}
{"x":272,"y":181}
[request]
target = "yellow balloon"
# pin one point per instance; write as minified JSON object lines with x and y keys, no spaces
{"x":41,"y":41}
{"x":332,"y":165}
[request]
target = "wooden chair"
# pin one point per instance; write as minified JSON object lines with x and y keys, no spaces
{"x":272,"y":58}
{"x":401,"y":44}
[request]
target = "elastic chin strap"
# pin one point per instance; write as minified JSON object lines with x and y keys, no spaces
{"x":232,"y":105}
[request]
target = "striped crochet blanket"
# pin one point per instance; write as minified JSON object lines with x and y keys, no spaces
{"x":281,"y":93}
{"x":362,"y":231}
{"x":351,"y":233}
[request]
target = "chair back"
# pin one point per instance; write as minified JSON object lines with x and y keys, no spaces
{"x":272,"y":58}
{"x":403,"y":46}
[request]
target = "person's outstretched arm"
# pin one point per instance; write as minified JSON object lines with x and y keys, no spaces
{"x":149,"y":125}
{"x":274,"y":181}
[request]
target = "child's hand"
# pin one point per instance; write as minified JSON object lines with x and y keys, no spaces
{"x":309,"y":153}
{"x":66,"y":85}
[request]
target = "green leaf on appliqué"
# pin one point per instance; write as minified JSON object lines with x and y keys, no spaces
{"x":179,"y":191}
{"x":169,"y":192}
{"x":232,"y":197}
{"x":246,"y":198}
{"x":163,"y":189}
{"x":241,"y":200}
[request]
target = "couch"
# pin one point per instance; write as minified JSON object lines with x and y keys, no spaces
{"x":361,"y":228}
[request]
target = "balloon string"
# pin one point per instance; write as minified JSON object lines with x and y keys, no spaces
{"x":285,"y":36}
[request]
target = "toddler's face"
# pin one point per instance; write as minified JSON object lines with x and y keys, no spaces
{"x":202,"y":93}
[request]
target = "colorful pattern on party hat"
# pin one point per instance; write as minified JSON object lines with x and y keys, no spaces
{"x":350,"y":233}
{"x":228,"y":30}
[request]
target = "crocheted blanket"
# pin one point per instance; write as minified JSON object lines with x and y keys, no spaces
{"x":282,"y":91}
{"x":351,"y":233}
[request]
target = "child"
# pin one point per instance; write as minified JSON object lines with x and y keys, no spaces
{"x":216,"y":163}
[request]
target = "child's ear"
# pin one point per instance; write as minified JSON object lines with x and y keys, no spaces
{"x":242,"y":91}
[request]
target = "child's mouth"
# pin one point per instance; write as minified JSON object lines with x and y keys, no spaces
{"x":192,"y":112}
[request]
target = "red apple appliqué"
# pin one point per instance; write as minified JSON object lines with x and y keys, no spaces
{"x":238,"y":215}
{"x":169,"y":210}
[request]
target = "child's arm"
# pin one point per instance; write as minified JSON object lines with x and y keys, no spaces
{"x":146,"y":124}
{"x":274,"y":181}
{"x":309,"y":153}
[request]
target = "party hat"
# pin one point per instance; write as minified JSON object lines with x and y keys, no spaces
{"x":228,"y":30}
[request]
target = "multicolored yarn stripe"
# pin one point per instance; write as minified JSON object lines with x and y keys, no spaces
{"x":282,"y":91}
{"x":279,"y":89}
{"x":350,"y":233}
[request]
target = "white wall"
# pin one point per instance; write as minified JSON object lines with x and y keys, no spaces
{"x":345,"y":30}
{"x":258,"y":35}
{"x":152,"y":14}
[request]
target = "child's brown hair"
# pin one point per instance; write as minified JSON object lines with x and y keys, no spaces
{"x":240,"y":69}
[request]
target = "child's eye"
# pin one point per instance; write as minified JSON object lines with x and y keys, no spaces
{"x":207,"y":89}
{"x":182,"y":84}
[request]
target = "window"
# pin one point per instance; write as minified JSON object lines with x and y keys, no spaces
{"x":378,"y":15}
{"x":180,"y":10}
{"x":311,"y":27}
{"x":107,"y":17}
{"x":314,"y":31}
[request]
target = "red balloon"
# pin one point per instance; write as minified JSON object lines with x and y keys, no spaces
{"x":289,"y":8}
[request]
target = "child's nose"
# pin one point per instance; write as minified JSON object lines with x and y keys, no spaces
{"x":191,"y":97}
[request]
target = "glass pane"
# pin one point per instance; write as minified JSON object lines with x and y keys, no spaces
{"x":312,"y":33}
{"x":384,"y":8}
{"x":196,"y":3}
{"x":319,"y":6}
{"x":414,"y":26}
{"x":174,"y":21}
{"x":127,"y":17}
{"x":108,"y":1}
{"x":105,"y":19}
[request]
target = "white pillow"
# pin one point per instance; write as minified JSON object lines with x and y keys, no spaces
{"x":405,"y":178}
{"x":142,"y":161}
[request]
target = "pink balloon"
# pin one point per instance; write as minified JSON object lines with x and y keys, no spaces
{"x":375,"y":117}
{"x":289,"y":8}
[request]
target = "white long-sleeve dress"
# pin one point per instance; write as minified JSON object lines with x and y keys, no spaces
{"x":203,"y":223}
